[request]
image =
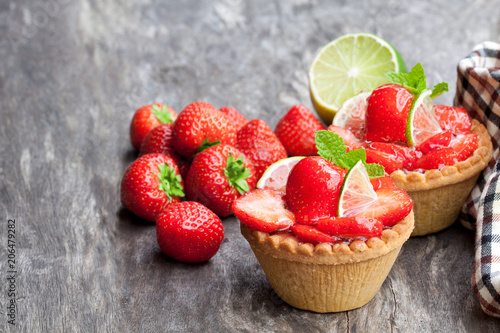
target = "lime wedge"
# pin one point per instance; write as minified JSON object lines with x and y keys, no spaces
{"x":348,"y":65}
{"x":352,"y":114}
{"x":357,"y":191}
{"x":422,"y":121}
{"x":276,"y":175}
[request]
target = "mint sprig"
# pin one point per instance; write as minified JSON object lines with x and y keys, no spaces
{"x":415,"y":82}
{"x":332,"y":148}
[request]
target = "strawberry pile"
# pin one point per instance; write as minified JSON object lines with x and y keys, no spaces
{"x":387,"y":127}
{"x":193,"y":165}
{"x":309,"y":206}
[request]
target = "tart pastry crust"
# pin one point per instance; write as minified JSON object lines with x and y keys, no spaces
{"x":438,"y":195}
{"x":328,"y":278}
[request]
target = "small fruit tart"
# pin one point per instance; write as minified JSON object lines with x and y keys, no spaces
{"x":328,"y":240}
{"x":433,"y":152}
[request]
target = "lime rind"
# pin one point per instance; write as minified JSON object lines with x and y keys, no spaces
{"x":422,"y":111}
{"x":288,"y":162}
{"x":356,"y":192}
{"x":348,"y":65}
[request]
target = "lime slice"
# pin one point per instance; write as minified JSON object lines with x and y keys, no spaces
{"x":352,"y":114}
{"x":348,"y":65}
{"x":357,"y":191}
{"x":276,"y":175}
{"x":422,"y":121}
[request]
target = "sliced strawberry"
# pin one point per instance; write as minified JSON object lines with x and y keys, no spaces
{"x":464,"y":145}
{"x":387,"y":114}
{"x":391,"y":206}
{"x":403,"y":154}
{"x":350,"y":227}
{"x":453,"y":118}
{"x":440,"y":140}
{"x":382,"y":182}
{"x":263,"y":210}
{"x":388,"y":161}
{"x":436,"y":159}
{"x":350,"y":140}
{"x":310,"y":234}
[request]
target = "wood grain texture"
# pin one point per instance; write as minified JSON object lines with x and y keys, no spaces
{"x":71,"y":75}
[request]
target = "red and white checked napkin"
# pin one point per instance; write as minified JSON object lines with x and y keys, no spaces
{"x":478,"y":91}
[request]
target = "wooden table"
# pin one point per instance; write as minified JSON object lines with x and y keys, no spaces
{"x":71,"y":75}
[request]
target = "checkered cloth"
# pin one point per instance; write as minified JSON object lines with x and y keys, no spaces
{"x":478,"y":91}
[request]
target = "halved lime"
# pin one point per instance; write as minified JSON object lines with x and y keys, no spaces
{"x":357,"y":191}
{"x":348,"y":65}
{"x":276,"y":175}
{"x":422,"y":121}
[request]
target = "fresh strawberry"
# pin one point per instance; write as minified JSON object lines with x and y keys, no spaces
{"x":150,"y":184}
{"x":351,"y":227}
{"x":263,"y":210}
{"x":401,"y":154}
{"x":313,"y":188}
{"x":159,"y":140}
{"x":387,"y":114}
{"x":350,"y":140}
{"x":464,"y":145}
{"x":440,"y":140}
{"x":236,"y":118}
{"x":148,"y":117}
{"x":391,"y":206}
{"x":436,"y":159}
{"x":296,"y":131}
{"x":382,"y":182}
{"x":219,"y":175}
{"x":310,"y":234}
{"x":388,"y":161}
{"x":189,"y":232}
{"x":259,"y":143}
{"x":200,"y":126}
{"x":453,"y":118}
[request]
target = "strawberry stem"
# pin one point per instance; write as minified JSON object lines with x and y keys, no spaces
{"x":207,"y":144}
{"x":162,"y":114}
{"x":169,"y":181}
{"x":237,"y":173}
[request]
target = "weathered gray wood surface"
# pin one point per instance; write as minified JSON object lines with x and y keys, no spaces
{"x":71,"y":75}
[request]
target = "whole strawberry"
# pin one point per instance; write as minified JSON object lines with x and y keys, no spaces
{"x":148,"y":117}
{"x":296,"y":131}
{"x":219,"y":175}
{"x":259,"y":143}
{"x":236,"y":118}
{"x":313,"y":189}
{"x":387,"y":114}
{"x":150,"y":184}
{"x":189,"y":232}
{"x":200,"y":126}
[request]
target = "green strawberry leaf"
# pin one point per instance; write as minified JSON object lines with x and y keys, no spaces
{"x":237,"y":174}
{"x":439,"y":89}
{"x":332,"y":148}
{"x":162,"y":114}
{"x":169,"y":182}
{"x":207,"y":144}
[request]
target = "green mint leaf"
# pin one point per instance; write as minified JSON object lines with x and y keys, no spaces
{"x":237,"y":173}
{"x":374,"y":170}
{"x":207,"y":144}
{"x":353,"y":156}
{"x":330,"y":146}
{"x":397,"y":78}
{"x":162,"y":114}
{"x":169,"y":182}
{"x":416,"y":77}
{"x":439,"y":89}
